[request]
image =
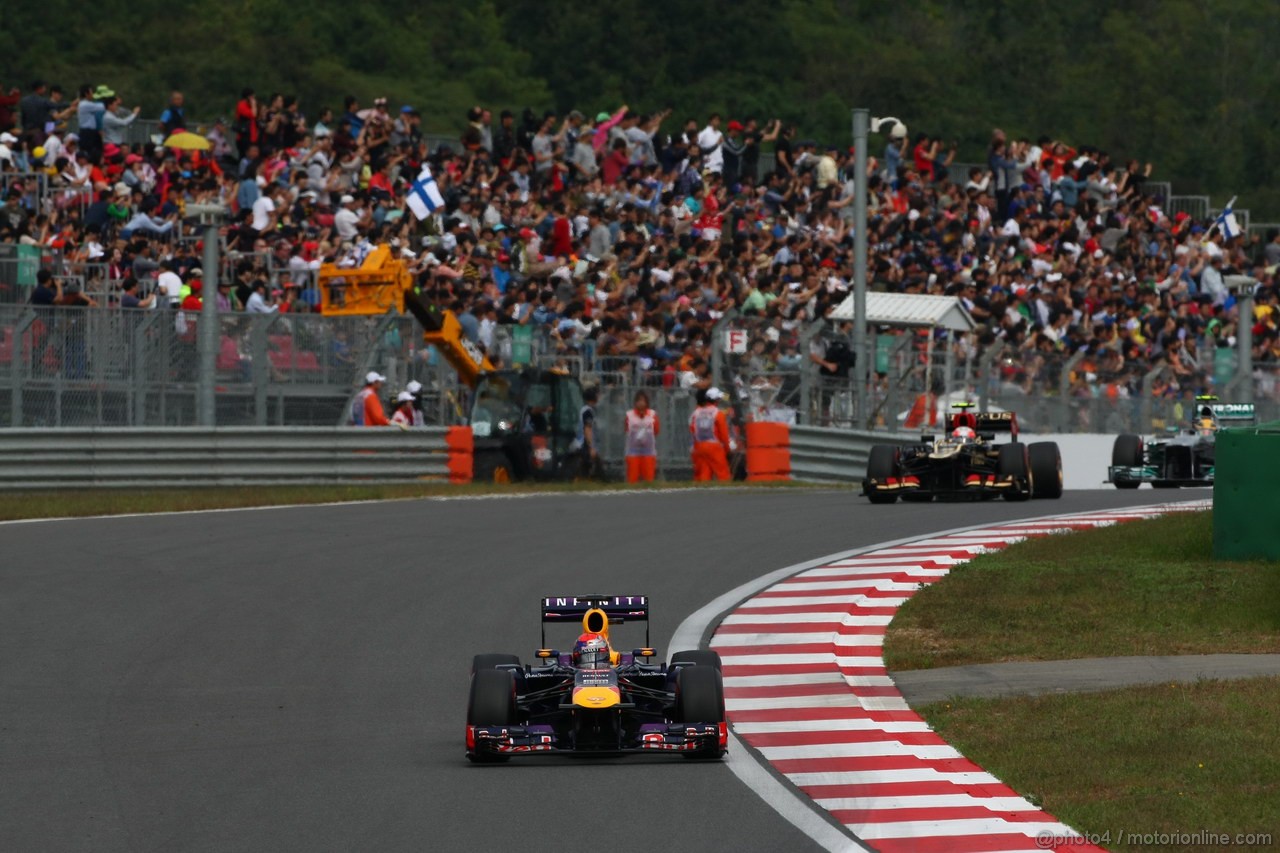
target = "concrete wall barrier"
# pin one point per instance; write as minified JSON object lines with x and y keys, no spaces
{"x":836,"y":455}
{"x":1085,"y":458}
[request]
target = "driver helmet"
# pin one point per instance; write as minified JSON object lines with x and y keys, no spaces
{"x":1207,"y":423}
{"x":591,"y":652}
{"x":963,"y":433}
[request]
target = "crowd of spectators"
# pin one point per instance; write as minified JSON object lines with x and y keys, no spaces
{"x":624,"y":235}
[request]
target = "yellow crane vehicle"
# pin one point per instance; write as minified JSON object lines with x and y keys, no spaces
{"x":525,"y":422}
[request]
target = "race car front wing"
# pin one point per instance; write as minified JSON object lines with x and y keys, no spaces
{"x":543,"y":740}
{"x":1152,"y":474}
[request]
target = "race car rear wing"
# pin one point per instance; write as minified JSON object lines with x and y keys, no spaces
{"x":1233,"y":411}
{"x":618,"y":609}
{"x":997,"y":422}
{"x":983,"y":422}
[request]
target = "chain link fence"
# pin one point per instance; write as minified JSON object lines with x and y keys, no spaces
{"x":111,"y":366}
{"x":128,"y":367}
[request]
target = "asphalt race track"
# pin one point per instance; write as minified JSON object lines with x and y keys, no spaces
{"x":296,"y":679}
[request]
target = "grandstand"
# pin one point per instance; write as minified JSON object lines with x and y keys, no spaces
{"x":620,"y":245}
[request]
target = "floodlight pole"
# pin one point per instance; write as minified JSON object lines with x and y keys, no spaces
{"x":860,"y":367}
{"x":210,"y":216}
{"x":1243,"y":285}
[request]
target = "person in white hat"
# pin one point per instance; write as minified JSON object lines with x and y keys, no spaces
{"x":347,"y":221}
{"x":414,"y":389}
{"x":366,"y":408}
{"x":710,"y":431}
{"x":403,"y":415}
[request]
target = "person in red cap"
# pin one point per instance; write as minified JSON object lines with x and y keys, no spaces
{"x":733,"y":146}
{"x":194,"y":299}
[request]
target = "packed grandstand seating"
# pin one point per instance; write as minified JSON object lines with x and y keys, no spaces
{"x":621,"y":237}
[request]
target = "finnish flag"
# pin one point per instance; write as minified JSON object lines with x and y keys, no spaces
{"x":424,"y":195}
{"x":1226,"y":221}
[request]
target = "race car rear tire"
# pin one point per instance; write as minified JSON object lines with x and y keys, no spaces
{"x":1012,"y":462}
{"x":1127,"y":452}
{"x":492,"y":703}
{"x":700,"y":699}
{"x":492,"y":661}
{"x":1046,"y":469}
{"x":697,"y":657}
{"x":881,"y":465}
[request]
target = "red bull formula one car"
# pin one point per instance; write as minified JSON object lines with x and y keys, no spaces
{"x":965,"y":462}
{"x":594,"y":699}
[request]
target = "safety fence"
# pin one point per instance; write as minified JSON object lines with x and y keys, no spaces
{"x":226,"y":456}
{"x":67,"y":367}
{"x":113,"y":366}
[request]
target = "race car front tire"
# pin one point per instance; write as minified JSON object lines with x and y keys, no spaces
{"x":492,"y":703}
{"x":1012,"y":462}
{"x":1046,"y":469}
{"x":1127,"y":453}
{"x":697,"y":657}
{"x":492,"y":661}
{"x":882,"y":464}
{"x":700,"y":699}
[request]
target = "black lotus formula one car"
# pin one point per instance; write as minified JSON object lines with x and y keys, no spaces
{"x":595,"y":700}
{"x":1184,"y":458}
{"x":965,"y":463}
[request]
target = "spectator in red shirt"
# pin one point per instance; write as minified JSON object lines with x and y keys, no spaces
{"x":247,"y":131}
{"x":561,"y":232}
{"x":193,"y":300}
{"x":616,"y":163}
{"x":922,"y":155}
{"x":7,"y":103}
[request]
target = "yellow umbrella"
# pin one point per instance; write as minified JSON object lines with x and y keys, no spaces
{"x":187,"y":141}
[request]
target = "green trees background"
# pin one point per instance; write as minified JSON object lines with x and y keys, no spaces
{"x":1192,"y":85}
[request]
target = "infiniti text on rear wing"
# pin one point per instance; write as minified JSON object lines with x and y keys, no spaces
{"x":618,"y":608}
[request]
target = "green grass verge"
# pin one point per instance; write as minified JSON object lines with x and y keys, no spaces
{"x":58,"y":504}
{"x":1173,"y":758}
{"x":1139,"y":588}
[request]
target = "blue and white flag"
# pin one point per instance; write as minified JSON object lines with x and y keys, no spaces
{"x":1226,"y":221}
{"x":424,"y":195}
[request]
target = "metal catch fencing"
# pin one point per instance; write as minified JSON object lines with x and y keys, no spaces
{"x":110,"y":366}
{"x":67,"y":367}
{"x":226,"y":456}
